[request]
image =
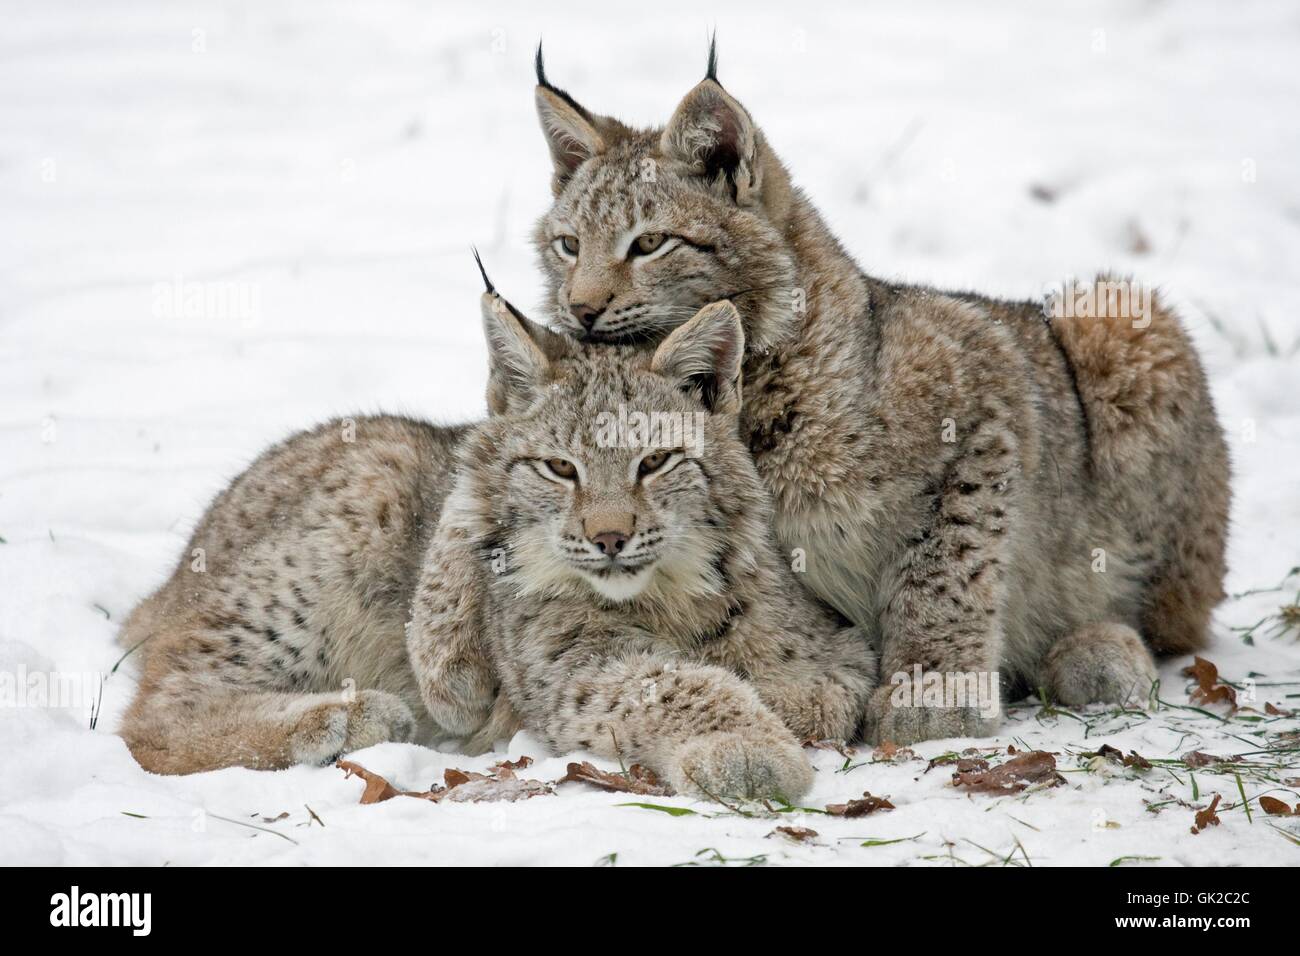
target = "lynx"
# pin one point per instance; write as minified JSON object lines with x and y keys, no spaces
{"x":641,"y":610}
{"x":629,"y":593}
{"x":280,"y":636}
{"x":985,"y":487}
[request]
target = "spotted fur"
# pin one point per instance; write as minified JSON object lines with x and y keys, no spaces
{"x":280,"y":636}
{"x":972,"y":480}
{"x":694,"y":650}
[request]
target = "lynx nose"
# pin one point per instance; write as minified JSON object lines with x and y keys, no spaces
{"x":609,"y":542}
{"x":585,"y":314}
{"x":609,"y":530}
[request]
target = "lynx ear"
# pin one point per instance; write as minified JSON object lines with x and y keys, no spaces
{"x":518,"y":363}
{"x":705,"y":355}
{"x":571,"y":132}
{"x":520,"y":352}
{"x":712,"y":135}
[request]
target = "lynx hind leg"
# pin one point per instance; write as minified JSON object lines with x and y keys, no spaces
{"x":1185,"y":589}
{"x":173,"y":732}
{"x":1155,"y":438}
{"x":1100,"y":663}
{"x":376,"y":716}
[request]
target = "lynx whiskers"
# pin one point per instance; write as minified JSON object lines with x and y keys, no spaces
{"x":629,"y":598}
{"x":952,"y":465}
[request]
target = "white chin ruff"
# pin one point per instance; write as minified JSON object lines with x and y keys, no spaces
{"x":621,"y":587}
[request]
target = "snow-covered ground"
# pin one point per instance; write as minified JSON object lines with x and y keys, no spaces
{"x":312,"y":175}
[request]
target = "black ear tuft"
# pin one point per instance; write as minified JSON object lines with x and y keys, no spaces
{"x":712,"y":72}
{"x":483,"y":272}
{"x":546,"y":84}
{"x":492,"y":293}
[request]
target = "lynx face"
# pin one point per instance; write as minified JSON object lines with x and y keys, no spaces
{"x":612,"y":469}
{"x":649,"y":226}
{"x":614,"y":517}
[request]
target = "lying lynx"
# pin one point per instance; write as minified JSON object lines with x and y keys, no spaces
{"x":279,"y":638}
{"x":624,"y":581}
{"x":983,"y":486}
{"x":640,"y":584}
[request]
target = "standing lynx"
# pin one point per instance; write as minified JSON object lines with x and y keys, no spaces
{"x":983,"y":486}
{"x":624,"y":580}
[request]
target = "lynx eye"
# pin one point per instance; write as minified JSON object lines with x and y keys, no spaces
{"x":561,"y":468}
{"x":653,"y":462}
{"x":645,"y":244}
{"x":566,"y":246}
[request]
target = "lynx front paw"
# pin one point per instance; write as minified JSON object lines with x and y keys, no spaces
{"x":730,"y":765}
{"x":460,"y":701}
{"x":899,"y":715}
{"x":325,"y":731}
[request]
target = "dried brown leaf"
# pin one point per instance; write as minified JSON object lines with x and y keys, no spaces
{"x":377,"y":788}
{"x":888,"y":750}
{"x":860,"y":807}
{"x":1106,"y":750}
{"x":1134,"y":759}
{"x":1034,"y":766}
{"x":520,"y":764}
{"x":1208,"y":689}
{"x":462,"y":786}
{"x":638,"y":779}
{"x":797,"y":834}
{"x":1207,"y":817}
{"x":1277,"y":808}
{"x":1274,"y":711}
{"x":1197,"y":759}
{"x":453,"y":778}
{"x":505,"y":787}
{"x":970,"y":758}
{"x":839,"y":746}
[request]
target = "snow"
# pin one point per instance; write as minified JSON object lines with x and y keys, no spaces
{"x":325,"y":166}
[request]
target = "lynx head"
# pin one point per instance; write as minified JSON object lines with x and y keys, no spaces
{"x":608,"y":468}
{"x":650,"y":225}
